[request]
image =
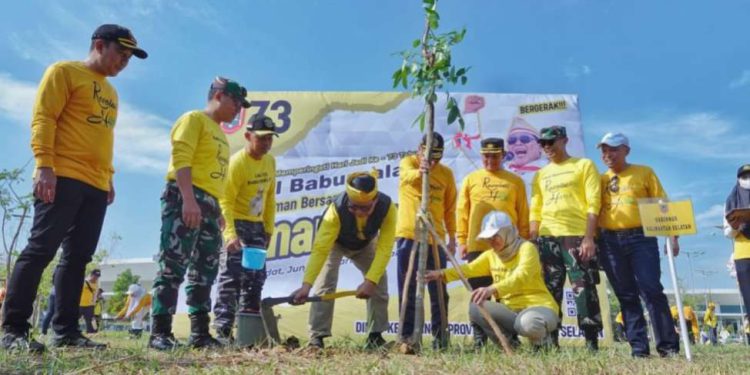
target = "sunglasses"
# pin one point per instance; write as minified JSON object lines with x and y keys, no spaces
{"x":523,"y":139}
{"x":614,"y":184}
{"x":546,"y":142}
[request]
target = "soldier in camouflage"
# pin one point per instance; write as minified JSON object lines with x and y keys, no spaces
{"x":565,"y":202}
{"x":191,"y":217}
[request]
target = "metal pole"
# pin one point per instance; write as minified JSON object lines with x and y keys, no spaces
{"x":678,"y":299}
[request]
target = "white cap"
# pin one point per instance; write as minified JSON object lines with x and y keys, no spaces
{"x":133,"y":289}
{"x":492,"y":223}
{"x":614,"y":140}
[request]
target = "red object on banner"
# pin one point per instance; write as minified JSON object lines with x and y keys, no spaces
{"x":473,"y":103}
{"x":465,"y":138}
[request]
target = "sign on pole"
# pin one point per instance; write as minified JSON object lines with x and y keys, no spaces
{"x":660,"y":217}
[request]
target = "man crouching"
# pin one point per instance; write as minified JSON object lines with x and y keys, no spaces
{"x":349,"y":227}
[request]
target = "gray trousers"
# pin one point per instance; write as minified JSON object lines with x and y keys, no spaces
{"x":321,"y":313}
{"x":534,"y":323}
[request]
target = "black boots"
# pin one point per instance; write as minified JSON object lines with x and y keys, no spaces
{"x":374,"y":341}
{"x":199,"y":336}
{"x":161,"y":334}
{"x":592,"y":340}
{"x":480,"y":338}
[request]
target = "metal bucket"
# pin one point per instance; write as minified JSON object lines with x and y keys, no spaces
{"x":250,"y":330}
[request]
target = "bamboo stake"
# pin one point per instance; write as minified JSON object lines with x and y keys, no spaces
{"x":441,"y":299}
{"x":495,"y":328}
{"x":405,"y":291}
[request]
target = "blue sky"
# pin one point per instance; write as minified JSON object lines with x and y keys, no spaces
{"x":673,"y":75}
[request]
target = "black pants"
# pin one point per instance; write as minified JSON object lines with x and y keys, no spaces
{"x":743,"y":278}
{"x":74,"y":220}
{"x":478,"y":282}
{"x":49,"y":313}
{"x":87,"y":312}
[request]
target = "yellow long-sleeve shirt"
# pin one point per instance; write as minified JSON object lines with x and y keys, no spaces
{"x":442,"y":198}
{"x":562,"y":196}
{"x":250,"y":192}
{"x":144,"y":303}
{"x":710,"y":319}
{"x":620,"y":198}
{"x":690,"y":317}
{"x":483,"y":191}
{"x":198,"y":143}
{"x":326,"y":236}
{"x":518,"y":282}
{"x":741,"y":247}
{"x":73,"y":121}
{"x":88,"y":293}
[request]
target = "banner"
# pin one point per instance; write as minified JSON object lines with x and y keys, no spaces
{"x":326,"y":135}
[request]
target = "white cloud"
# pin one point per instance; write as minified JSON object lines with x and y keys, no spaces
{"x":699,"y":135}
{"x":141,"y":138}
{"x":711,"y":217}
{"x":42,"y":48}
{"x":573,"y":71}
{"x":742,"y":80}
{"x":16,"y":99}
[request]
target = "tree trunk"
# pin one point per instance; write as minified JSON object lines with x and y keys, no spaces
{"x":422,"y":230}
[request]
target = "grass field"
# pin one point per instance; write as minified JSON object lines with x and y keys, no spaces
{"x":344,"y":356}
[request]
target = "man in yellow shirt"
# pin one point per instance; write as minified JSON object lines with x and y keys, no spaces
{"x":136,"y":308}
{"x":191,"y":215}
{"x":249,"y":208}
{"x":442,"y":210}
{"x":88,"y":300}
{"x":72,"y":136}
{"x":565,"y":202}
{"x":630,"y":259}
{"x":711,"y":321}
{"x":359,"y":224}
{"x":482,"y":191}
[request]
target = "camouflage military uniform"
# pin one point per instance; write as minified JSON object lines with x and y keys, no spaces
{"x":182,"y":248}
{"x":560,"y":254}
{"x":233,"y":276}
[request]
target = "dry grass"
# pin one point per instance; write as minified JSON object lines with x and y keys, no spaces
{"x":127,"y":356}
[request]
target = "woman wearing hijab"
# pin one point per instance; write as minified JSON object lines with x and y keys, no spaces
{"x":737,"y":227}
{"x":522,"y":304}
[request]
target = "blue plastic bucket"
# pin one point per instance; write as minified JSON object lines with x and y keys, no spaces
{"x":253,"y":258}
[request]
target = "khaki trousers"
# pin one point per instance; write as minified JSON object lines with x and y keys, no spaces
{"x":321,"y":313}
{"x":533,"y":323}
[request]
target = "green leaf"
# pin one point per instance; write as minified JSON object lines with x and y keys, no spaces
{"x":416,"y":43}
{"x":463,"y":80}
{"x":461,"y":122}
{"x":452,"y":114}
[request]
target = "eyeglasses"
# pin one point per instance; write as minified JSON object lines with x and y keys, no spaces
{"x":523,"y":139}
{"x":614,"y":184}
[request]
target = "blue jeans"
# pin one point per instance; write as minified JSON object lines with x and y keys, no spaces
{"x":631,"y":262}
{"x":403,"y":250}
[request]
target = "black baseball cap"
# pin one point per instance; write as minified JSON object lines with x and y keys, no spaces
{"x":122,"y":36}
{"x":232,"y":88}
{"x":743,"y":170}
{"x":492,"y":146}
{"x":96,"y":272}
{"x":437,"y":145}
{"x":261,"y":125}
